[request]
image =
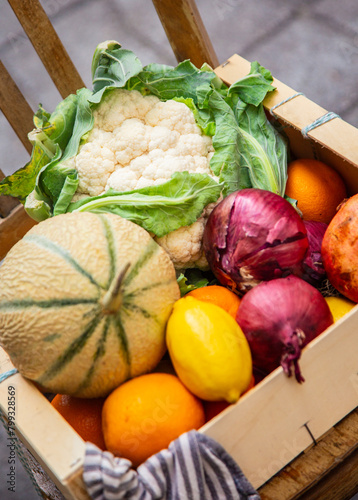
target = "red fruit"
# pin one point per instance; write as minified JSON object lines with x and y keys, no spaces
{"x":340,"y":249}
{"x":213,"y":408}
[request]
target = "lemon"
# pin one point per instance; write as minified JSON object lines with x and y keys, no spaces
{"x":339,"y":306}
{"x":209,"y":351}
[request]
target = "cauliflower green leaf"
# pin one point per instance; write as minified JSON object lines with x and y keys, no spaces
{"x":158,"y":209}
{"x":50,"y":136}
{"x":112,"y":66}
{"x":167,"y":82}
{"x":248,"y":150}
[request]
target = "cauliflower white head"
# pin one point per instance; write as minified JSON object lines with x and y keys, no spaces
{"x":140,"y":141}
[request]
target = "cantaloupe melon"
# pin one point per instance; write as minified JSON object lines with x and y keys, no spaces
{"x":84,"y":300}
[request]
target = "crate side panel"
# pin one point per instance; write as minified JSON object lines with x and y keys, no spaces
{"x":278,"y":419}
{"x":13,"y":228}
{"x":44,"y":432}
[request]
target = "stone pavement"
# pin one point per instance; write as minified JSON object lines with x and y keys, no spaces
{"x":311,"y":45}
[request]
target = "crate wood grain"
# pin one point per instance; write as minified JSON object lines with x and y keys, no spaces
{"x":13,"y":227}
{"x":45,"y":433}
{"x":7,"y":203}
{"x":326,"y":471}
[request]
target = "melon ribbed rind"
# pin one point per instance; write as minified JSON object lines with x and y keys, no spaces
{"x":52,"y":284}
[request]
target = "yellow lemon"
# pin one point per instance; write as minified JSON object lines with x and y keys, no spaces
{"x":339,"y":306}
{"x":209,"y":351}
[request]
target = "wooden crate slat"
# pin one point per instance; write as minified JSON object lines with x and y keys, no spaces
{"x":53,"y":442}
{"x":48,"y":45}
{"x":324,"y":471}
{"x":186,"y":32}
{"x":270,"y":420}
{"x":15,"y":107}
{"x":7,"y":203}
{"x":13,"y":228}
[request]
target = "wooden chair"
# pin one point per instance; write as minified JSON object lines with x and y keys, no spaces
{"x":326,"y":470}
{"x":186,"y":34}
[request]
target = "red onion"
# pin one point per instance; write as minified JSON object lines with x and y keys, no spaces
{"x":311,"y":269}
{"x":251,"y":236}
{"x":279,"y":318}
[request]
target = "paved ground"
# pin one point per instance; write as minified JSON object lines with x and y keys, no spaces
{"x":311,"y":45}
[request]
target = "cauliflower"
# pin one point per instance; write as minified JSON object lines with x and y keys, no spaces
{"x":99,"y":145}
{"x":139,"y":141}
{"x":184,"y":245}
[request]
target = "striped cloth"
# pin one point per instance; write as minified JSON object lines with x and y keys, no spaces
{"x":194,"y":467}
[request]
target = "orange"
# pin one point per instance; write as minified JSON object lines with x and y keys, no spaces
{"x":218,"y":295}
{"x":84,"y":415}
{"x":143,"y":415}
{"x":317,"y":187}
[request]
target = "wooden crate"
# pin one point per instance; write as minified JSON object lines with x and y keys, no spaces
{"x":291,"y":440}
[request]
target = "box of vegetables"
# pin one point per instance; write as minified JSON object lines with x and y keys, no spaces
{"x":191,"y":223}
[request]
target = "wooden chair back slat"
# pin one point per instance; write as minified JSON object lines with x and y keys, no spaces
{"x":15,"y":107}
{"x":186,"y":32}
{"x":48,"y":45}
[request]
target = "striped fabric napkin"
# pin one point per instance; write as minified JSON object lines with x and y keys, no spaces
{"x":194,"y":467}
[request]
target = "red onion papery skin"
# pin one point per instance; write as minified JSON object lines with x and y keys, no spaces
{"x":279,"y":318}
{"x":251,"y":236}
{"x":312,"y":269}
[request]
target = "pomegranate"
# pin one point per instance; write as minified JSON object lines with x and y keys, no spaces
{"x":340,"y":249}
